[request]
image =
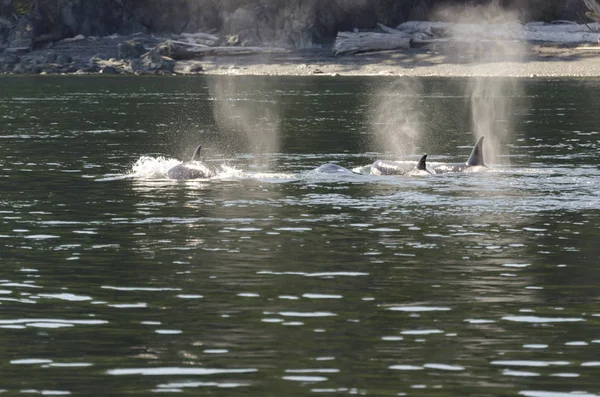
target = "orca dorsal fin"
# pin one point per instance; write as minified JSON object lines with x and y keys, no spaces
{"x":196,"y":154}
{"x":422,"y":166}
{"x":476,"y":157}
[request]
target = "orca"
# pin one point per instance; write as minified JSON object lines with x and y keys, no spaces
{"x":421,"y":168}
{"x":474,"y":160}
{"x":332,"y":169}
{"x":385,"y":167}
{"x":192,"y":169}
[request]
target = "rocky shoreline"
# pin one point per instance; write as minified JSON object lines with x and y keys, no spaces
{"x":143,"y":54}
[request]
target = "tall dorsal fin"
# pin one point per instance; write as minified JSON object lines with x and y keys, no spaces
{"x":196,"y":153}
{"x":476,"y":157}
{"x":422,"y":163}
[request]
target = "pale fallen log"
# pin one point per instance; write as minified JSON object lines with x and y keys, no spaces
{"x":186,"y":43}
{"x":387,"y":29}
{"x":353,"y":43}
{"x":416,"y":38}
{"x":183,"y":50}
{"x":200,"y":38}
{"x":535,"y":31}
{"x":200,"y":35}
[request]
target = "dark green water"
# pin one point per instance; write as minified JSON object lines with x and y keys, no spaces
{"x":271,"y":281}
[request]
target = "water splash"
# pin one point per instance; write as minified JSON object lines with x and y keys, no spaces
{"x":493,"y":54}
{"x":247,"y":115}
{"x":147,"y":167}
{"x":396,"y":117}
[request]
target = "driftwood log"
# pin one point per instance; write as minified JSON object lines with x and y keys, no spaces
{"x":353,"y":43}
{"x":561,"y":33}
{"x":200,"y":35}
{"x":182,"y":50}
{"x":420,"y":33}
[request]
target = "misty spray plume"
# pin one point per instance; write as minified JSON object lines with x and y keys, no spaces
{"x":395,"y":117}
{"x":487,"y":36}
{"x":247,"y":115}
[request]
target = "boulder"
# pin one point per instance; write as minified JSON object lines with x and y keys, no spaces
{"x":33,"y":69}
{"x":50,"y":57}
{"x":19,"y":68}
{"x":71,"y":68}
{"x":153,"y":61}
{"x":24,"y":33}
{"x":6,"y":25}
{"x":130,"y":50}
{"x":191,"y":68}
{"x":287,"y":26}
{"x":252,"y":25}
{"x":64,"y":59}
{"x":49,"y":68}
{"x":9,"y":59}
{"x":108,"y":70}
{"x":90,"y":68}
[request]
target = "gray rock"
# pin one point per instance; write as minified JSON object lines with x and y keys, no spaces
{"x":34,"y":69}
{"x":50,"y":57}
{"x":72,"y":68}
{"x":108,"y":70}
{"x":10,"y":59}
{"x":192,"y":68}
{"x":24,"y":33}
{"x":153,"y":61}
{"x":130,"y":50}
{"x":19,"y":68}
{"x":64,"y":59}
{"x":90,"y":69}
{"x":270,"y":24}
{"x":49,"y":68}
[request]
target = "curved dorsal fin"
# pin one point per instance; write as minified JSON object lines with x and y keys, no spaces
{"x":422,"y":163}
{"x":196,"y":153}
{"x":476,"y":157}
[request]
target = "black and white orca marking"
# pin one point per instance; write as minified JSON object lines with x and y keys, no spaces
{"x":385,"y":167}
{"x":193,"y":169}
{"x":474,"y":161}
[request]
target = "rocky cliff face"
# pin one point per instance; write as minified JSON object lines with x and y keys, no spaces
{"x":287,"y":23}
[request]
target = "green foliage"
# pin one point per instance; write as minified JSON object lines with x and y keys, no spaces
{"x":23,"y":7}
{"x":592,"y":16}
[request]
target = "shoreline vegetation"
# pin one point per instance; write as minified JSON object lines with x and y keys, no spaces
{"x":477,"y":39}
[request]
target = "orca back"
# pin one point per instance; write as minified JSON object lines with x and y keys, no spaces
{"x":193,"y":169}
{"x":332,"y":169}
{"x":190,"y":170}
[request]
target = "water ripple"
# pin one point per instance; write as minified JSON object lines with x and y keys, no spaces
{"x":528,"y":363}
{"x":159,"y":371}
{"x":307,"y":314}
{"x":174,"y":386}
{"x":419,"y":308}
{"x":535,"y":393}
{"x":535,"y":319}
